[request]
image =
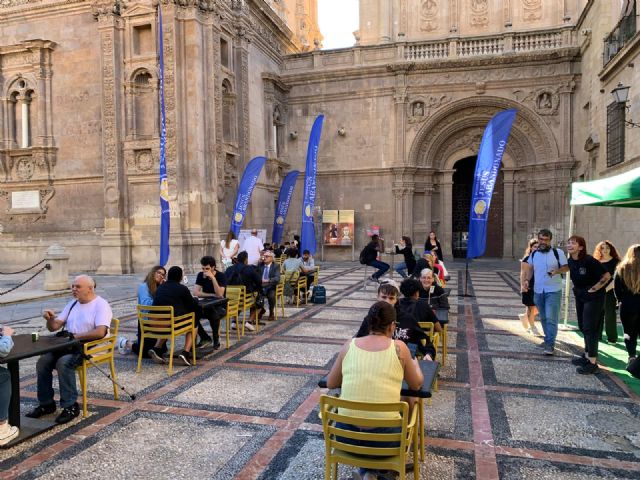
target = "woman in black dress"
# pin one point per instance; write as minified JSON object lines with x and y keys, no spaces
{"x":608,"y":256}
{"x":528,"y":318}
{"x":433,"y":244}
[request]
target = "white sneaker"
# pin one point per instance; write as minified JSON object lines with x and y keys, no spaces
{"x":249,"y":326}
{"x":8,"y":433}
{"x":535,"y":331}
{"x":122,"y":345}
{"x":524,"y":320}
{"x":233,"y":325}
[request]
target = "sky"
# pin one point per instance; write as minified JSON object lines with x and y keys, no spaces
{"x":338,"y":20}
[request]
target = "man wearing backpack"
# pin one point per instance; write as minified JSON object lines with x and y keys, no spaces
{"x":547,"y":290}
{"x":369,"y":256}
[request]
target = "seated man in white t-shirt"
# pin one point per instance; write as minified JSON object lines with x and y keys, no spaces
{"x":87,"y":317}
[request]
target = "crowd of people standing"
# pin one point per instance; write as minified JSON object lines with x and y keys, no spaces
{"x":601,"y":282}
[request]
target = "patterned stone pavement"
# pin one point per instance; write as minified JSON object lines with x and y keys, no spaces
{"x":251,"y":412}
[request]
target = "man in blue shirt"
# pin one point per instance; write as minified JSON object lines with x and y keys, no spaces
{"x":547,"y":290}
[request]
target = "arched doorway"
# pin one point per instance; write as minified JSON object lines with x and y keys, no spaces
{"x":461,"y":198}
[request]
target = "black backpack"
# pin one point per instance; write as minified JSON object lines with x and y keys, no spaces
{"x":363,"y":258}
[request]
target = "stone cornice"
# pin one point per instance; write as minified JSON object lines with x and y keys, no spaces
{"x":29,"y":10}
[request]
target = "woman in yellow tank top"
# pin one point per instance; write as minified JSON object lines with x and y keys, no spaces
{"x":371,"y":368}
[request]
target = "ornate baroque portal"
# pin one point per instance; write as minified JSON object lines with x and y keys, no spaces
{"x":454,"y":133}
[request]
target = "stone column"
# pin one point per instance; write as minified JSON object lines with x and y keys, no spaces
{"x":24,"y":105}
{"x":400,"y":99}
{"x":384,"y":19}
{"x":56,"y":277}
{"x":509,"y":229}
{"x":531,"y":210}
{"x":446,"y":199}
{"x":115,"y":243}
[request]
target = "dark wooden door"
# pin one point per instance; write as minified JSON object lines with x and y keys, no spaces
{"x":461,"y":197}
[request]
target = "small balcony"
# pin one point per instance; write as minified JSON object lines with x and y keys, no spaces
{"x":620,"y":36}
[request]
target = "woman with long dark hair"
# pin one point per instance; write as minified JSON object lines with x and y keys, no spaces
{"x":528,"y":319}
{"x":589,"y":278}
{"x":433,"y":244}
{"x":608,"y":256}
{"x":627,"y":289}
{"x":146,"y":293}
{"x":406,"y":249}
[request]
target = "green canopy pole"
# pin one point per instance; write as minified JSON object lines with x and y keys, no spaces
{"x":566,"y":282}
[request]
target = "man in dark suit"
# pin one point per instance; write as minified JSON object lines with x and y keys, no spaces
{"x":270,"y":275}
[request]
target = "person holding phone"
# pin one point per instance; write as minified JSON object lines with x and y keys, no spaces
{"x":7,"y":432}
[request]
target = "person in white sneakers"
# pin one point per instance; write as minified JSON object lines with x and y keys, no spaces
{"x":7,"y":432}
{"x":528,"y":319}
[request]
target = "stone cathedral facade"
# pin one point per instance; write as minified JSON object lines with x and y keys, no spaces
{"x":405,"y":109}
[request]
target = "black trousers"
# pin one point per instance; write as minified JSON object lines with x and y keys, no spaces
{"x":630,"y":318}
{"x":270,"y":293}
{"x":214,"y":320}
{"x":588,"y":310}
{"x":608,"y":317}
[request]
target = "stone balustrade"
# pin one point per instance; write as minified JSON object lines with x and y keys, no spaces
{"x":433,"y":50}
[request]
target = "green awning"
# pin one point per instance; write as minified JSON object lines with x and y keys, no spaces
{"x":620,"y":191}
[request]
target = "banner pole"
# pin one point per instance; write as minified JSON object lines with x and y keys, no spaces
{"x":466,"y":278}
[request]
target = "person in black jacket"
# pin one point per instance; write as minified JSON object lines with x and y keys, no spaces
{"x":242,"y":273}
{"x":433,"y":244}
{"x":409,"y":311}
{"x":370,"y":258}
{"x":409,"y":263}
{"x":626,"y":285}
{"x":174,"y":294}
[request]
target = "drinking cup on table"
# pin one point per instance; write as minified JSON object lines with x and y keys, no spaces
{"x":35,"y":336}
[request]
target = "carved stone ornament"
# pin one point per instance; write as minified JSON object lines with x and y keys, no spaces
{"x":532,"y":10}
{"x":429,"y":15}
{"x":25,"y":168}
{"x":420,"y":108}
{"x":479,"y":13}
{"x":144,"y":160}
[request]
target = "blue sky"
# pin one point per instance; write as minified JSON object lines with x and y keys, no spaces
{"x":338,"y":20}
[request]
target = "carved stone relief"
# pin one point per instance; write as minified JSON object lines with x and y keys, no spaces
{"x":532,"y":10}
{"x":544,"y":101}
{"x":144,"y":160}
{"x":479,"y":13}
{"x":429,"y":15}
{"x":25,"y":168}
{"x":421,"y":107}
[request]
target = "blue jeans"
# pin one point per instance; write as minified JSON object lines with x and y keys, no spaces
{"x":401,"y":268}
{"x":5,"y":393}
{"x":381,"y":266}
{"x":66,"y":367}
{"x":548,"y":304}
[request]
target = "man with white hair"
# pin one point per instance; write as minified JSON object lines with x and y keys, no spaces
{"x":87,"y":317}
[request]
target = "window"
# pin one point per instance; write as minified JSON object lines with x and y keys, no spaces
{"x":144,"y":105}
{"x":228,"y":112}
{"x":615,"y":133}
{"x":20,"y":114}
{"x":143,"y":41}
{"x":224,"y":53}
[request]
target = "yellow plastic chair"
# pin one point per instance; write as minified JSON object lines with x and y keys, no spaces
{"x":245,"y":302}
{"x":233,"y":311}
{"x":301,"y":285}
{"x":434,"y":336}
{"x":279,"y":298}
{"x":336,"y":451}
{"x":316,"y":276}
{"x":101,"y":351}
{"x":161,"y":324}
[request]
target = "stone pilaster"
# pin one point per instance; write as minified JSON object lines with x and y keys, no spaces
{"x":115,"y":243}
{"x":509,"y":230}
{"x":446,"y":202}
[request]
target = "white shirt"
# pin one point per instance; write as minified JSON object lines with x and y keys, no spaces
{"x":85,"y":317}
{"x":253,"y":246}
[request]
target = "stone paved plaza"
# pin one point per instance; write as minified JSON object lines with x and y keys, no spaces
{"x":502,"y":410}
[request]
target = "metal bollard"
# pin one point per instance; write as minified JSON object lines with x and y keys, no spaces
{"x":57,"y":277}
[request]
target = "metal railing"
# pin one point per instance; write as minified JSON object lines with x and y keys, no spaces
{"x":624,"y":31}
